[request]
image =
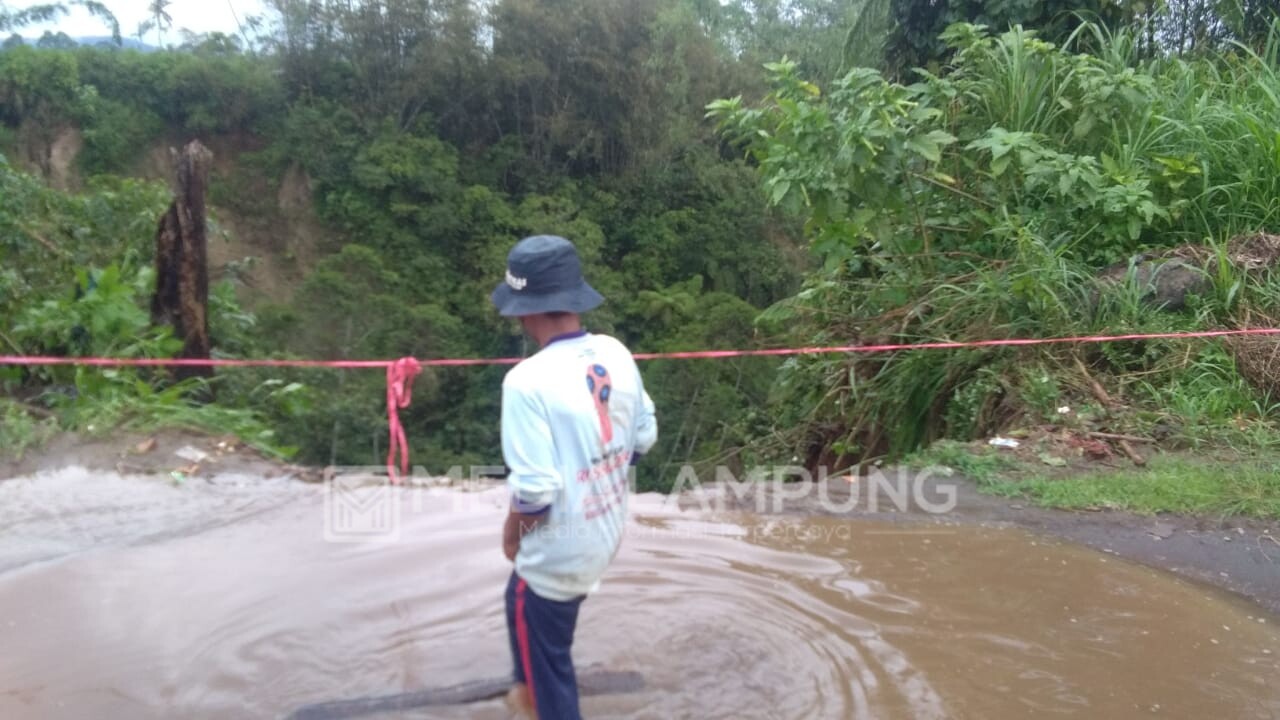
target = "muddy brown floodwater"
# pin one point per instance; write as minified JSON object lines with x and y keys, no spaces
{"x":130,"y":597}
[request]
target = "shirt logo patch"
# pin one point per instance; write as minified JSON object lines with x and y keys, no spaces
{"x":600,"y":386}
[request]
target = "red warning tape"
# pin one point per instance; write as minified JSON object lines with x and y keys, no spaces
{"x":401,"y":372}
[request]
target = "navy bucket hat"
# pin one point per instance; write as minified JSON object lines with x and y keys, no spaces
{"x":544,"y":275}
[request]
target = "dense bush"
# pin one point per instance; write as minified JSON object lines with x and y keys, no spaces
{"x":982,"y":202}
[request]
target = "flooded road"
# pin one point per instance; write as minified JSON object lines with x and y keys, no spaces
{"x":130,"y":597}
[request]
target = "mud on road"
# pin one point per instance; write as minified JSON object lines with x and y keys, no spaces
{"x":1241,"y":555}
{"x":1237,"y":554}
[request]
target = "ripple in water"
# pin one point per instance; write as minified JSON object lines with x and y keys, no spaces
{"x":149,"y":601}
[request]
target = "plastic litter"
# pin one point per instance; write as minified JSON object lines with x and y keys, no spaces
{"x":186,"y":452}
{"x":1003,"y":442}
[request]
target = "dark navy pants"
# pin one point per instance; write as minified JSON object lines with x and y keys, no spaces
{"x":541,"y":633}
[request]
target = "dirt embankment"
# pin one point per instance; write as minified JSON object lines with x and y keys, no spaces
{"x":264,"y":231}
{"x":179,"y":454}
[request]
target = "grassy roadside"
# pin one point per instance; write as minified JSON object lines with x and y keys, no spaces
{"x":1236,"y":483}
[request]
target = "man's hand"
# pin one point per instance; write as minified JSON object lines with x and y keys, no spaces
{"x":517,"y":526}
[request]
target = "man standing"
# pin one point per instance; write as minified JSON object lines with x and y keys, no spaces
{"x":575,"y":417}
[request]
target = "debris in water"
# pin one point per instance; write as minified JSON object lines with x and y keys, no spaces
{"x":178,"y":477}
{"x":1003,"y":442}
{"x":1161,"y":530}
{"x":145,"y":446}
{"x":590,"y":682}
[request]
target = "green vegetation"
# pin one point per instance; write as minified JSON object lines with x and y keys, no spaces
{"x":984,"y":468}
{"x":1180,"y":485}
{"x":21,"y":430}
{"x":984,"y":202}
{"x":1223,"y":481}
{"x":957,"y":171}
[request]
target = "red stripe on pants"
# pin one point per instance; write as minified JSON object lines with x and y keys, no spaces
{"x":522,"y":638}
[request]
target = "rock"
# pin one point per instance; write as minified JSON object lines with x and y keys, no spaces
{"x":1165,"y":283}
{"x":1169,"y":277}
{"x":1052,"y":460}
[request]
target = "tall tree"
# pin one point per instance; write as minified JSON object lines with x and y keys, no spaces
{"x":569,"y":73}
{"x":824,"y":37}
{"x":1188,"y":26}
{"x":160,"y":18}
{"x":14,"y":19}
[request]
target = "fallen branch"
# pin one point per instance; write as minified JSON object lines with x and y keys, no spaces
{"x":1098,"y":391}
{"x":1115,"y":436}
{"x":37,"y":411}
{"x":1133,"y":454}
{"x":956,"y":190}
{"x":9,"y":341}
{"x":590,"y":682}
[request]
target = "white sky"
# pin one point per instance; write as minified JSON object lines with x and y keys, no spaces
{"x":199,"y":16}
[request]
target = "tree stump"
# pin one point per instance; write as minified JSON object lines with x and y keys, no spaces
{"x":181,"y":299}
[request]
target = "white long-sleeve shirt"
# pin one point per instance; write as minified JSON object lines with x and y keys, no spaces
{"x":573,"y":416}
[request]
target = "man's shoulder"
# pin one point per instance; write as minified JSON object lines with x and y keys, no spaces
{"x":531,"y":373}
{"x":610,"y":343}
{"x":521,"y":375}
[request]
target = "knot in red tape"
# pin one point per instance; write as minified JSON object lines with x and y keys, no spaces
{"x":400,"y":375}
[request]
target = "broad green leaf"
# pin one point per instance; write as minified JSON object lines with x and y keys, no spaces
{"x":925,"y":148}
